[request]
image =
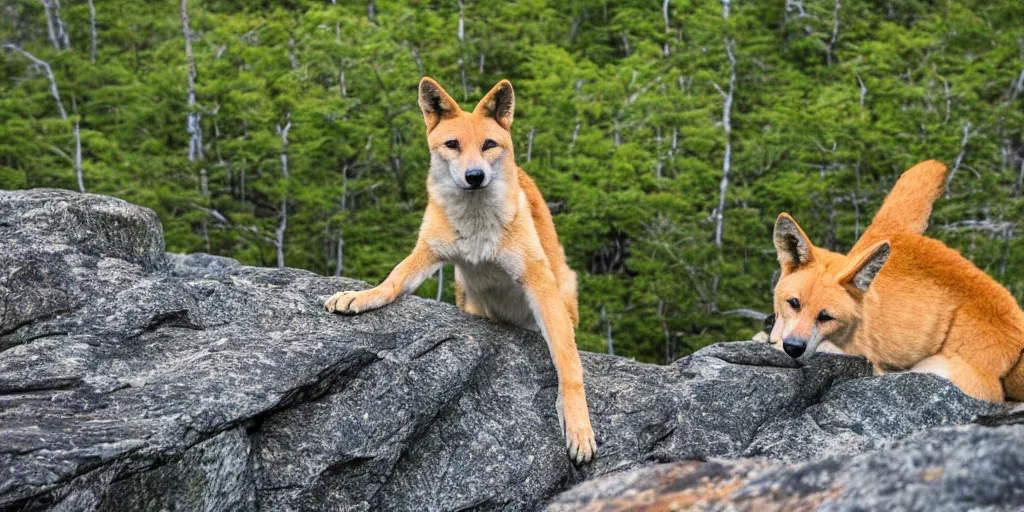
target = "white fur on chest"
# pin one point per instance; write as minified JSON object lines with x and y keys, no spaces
{"x":492,"y":287}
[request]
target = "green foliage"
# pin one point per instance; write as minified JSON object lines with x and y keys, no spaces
{"x":624,"y":114}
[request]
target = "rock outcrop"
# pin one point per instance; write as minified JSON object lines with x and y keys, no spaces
{"x":131,"y":379}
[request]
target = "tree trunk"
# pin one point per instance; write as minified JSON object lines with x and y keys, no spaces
{"x":959,"y":157}
{"x":668,"y":28}
{"x":607,"y":330}
{"x":92,"y":29}
{"x":78,"y":158}
{"x":529,"y":144}
{"x":194,"y":122}
{"x":727,"y":99}
{"x":440,"y":283}
{"x":669,"y":348}
{"x":51,"y":33}
{"x":339,"y":258}
{"x":279,"y":239}
{"x":835,"y":33}
{"x":462,"y":39}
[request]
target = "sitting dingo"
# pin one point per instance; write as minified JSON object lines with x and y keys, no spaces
{"x":903,"y":300}
{"x":487,"y":217}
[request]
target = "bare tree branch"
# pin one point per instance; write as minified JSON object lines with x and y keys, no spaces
{"x":959,"y":157}
{"x":995,"y":228}
{"x":835,"y":33}
{"x":1018,"y":87}
{"x":744,"y":313}
{"x":49,"y":75}
{"x":416,"y":58}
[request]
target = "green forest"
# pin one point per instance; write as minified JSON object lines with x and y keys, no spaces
{"x":666,"y":135}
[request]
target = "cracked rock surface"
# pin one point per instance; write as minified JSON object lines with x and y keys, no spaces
{"x":132,"y":379}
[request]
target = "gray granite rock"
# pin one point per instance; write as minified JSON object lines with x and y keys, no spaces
{"x":131,"y":379}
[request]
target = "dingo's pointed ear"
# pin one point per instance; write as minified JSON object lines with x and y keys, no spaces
{"x":500,"y":104}
{"x":864,"y":267}
{"x":435,"y":103}
{"x":792,"y":245}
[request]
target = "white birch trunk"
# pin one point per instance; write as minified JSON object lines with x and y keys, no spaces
{"x":283,"y":226}
{"x":92,"y":30}
{"x":727,"y":99}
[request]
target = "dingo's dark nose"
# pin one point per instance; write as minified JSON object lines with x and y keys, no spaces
{"x":475,"y":177}
{"x":794,"y":347}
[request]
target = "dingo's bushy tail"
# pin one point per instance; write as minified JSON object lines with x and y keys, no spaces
{"x":909,"y":204}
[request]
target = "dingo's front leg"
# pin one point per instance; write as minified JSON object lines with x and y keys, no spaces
{"x":552,"y":316}
{"x":405,"y":278}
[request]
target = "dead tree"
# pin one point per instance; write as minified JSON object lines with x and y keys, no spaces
{"x":669,"y":348}
{"x":668,"y":28}
{"x":58,"y":37}
{"x":607,"y":330}
{"x":529,"y":144}
{"x":462,"y":39}
{"x":49,"y":75}
{"x":55,"y":92}
{"x":949,"y":100}
{"x":78,"y":158}
{"x":1020,"y":179}
{"x":960,"y":156}
{"x":575,"y":135}
{"x":60,"y":25}
{"x":194,"y":123}
{"x":727,"y":99}
{"x":279,"y":233}
{"x":835,"y":33}
{"x":863,"y":92}
{"x":92,"y":29}
{"x":1018,"y":87}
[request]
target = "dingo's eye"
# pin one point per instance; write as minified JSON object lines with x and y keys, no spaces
{"x":794,"y":303}
{"x":824,"y":317}
{"x":452,"y":144}
{"x":488,"y":144}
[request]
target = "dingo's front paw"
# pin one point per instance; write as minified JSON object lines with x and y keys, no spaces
{"x":357,"y":302}
{"x":579,"y":436}
{"x":580,"y":443}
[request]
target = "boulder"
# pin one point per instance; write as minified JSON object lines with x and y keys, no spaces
{"x":131,"y":379}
